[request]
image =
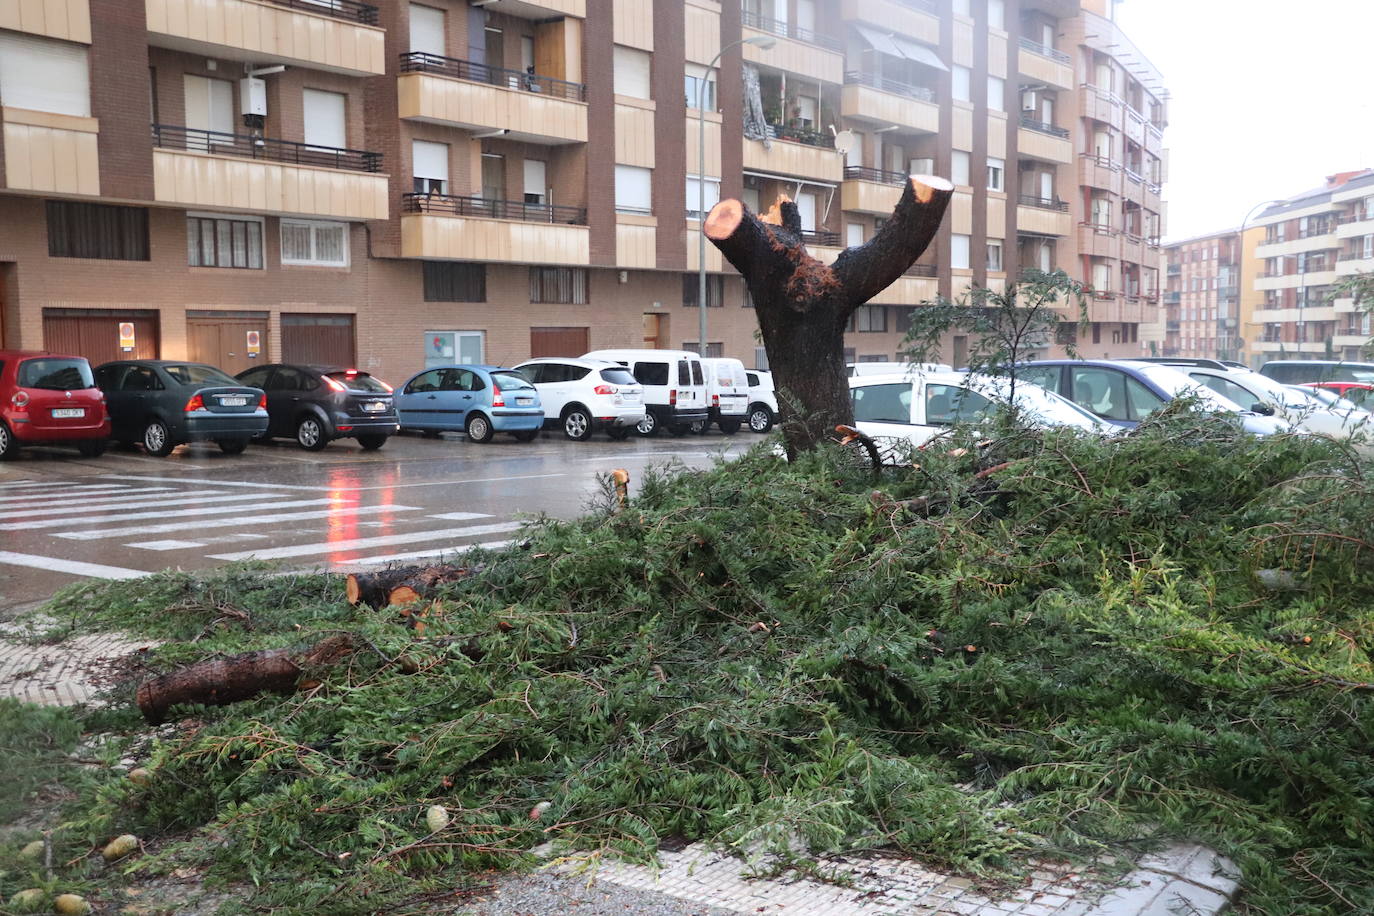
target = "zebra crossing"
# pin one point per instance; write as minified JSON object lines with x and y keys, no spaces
{"x":126,"y":526}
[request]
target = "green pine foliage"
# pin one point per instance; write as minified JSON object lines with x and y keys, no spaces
{"x":1082,"y":650}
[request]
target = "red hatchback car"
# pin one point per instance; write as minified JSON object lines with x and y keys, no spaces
{"x":46,"y":398}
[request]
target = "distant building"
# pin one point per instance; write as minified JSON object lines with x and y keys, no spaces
{"x":1202,"y":297}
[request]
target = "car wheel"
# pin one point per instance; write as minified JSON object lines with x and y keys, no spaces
{"x":157,"y":441}
{"x":8,"y":446}
{"x":526,"y":435}
{"x":729,"y":427}
{"x":310,"y":434}
{"x":618,"y":433}
{"x":372,"y":443}
{"x":577,"y":424}
{"x":679,"y":429}
{"x":232,"y":446}
{"x":760,"y":419}
{"x":648,"y":427}
{"x":92,"y":449}
{"x":478,"y":428}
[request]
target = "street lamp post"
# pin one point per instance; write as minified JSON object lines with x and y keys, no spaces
{"x":1240,"y":262}
{"x":762,"y":41}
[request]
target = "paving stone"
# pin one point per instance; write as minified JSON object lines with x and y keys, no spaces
{"x":1196,"y":864}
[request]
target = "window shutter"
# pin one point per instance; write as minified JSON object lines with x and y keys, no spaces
{"x":324,"y":119}
{"x":427,"y":30}
{"x":633,"y":189}
{"x":632,"y":72}
{"x":44,"y":75}
{"x":535,"y":178}
{"x":429,"y":160}
{"x":806,"y":207}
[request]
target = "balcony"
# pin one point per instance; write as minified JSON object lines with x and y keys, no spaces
{"x":796,"y":50}
{"x":69,"y":20}
{"x":1099,"y":241}
{"x":1044,"y":127}
{"x":52,"y":153}
{"x":1043,"y":217}
{"x":1042,"y":64}
{"x":868,"y":97}
{"x":916,"y":18}
{"x":1043,"y":141}
{"x":1172,"y":298}
{"x":341,"y":36}
{"x":207,"y":168}
{"x":911,"y":288}
{"x":873,"y":191}
{"x":789,"y":30}
{"x":797,"y":152}
{"x":460,"y":93}
{"x":1100,"y":104}
{"x":1099,"y":172}
{"x":476,"y":229}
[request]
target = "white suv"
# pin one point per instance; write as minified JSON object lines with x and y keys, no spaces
{"x":674,"y":387}
{"x":763,"y":400}
{"x":581,"y":396}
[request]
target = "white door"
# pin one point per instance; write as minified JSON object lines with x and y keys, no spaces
{"x":324,"y":119}
{"x":535,"y":186}
{"x":209,"y":106}
{"x":1102,"y":212}
{"x":427,"y":30}
{"x":854,"y":234}
{"x":1046,"y":186}
{"x":807,"y":108}
{"x":1102,"y":277}
{"x":806,"y":206}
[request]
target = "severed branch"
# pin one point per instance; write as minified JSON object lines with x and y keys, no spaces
{"x":868,"y":269}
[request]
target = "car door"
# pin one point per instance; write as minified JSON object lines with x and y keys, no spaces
{"x":416,"y":402}
{"x":458,"y":396}
{"x":283,"y":400}
{"x":108,"y":380}
{"x":136,"y":397}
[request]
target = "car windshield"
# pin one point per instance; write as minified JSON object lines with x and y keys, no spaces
{"x":1177,"y":384}
{"x":359,"y":381}
{"x":618,"y":376}
{"x":194,"y":374}
{"x":509,"y":381}
{"x":55,"y":374}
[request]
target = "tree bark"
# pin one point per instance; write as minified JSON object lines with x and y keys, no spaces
{"x":221,"y":681}
{"x":803,"y":305}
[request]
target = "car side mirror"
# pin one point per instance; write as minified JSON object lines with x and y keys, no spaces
{"x":1264,"y":410}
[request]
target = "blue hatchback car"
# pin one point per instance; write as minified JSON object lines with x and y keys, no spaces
{"x":478,"y":400}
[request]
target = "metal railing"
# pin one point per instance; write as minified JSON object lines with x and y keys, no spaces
{"x":1099,"y":228}
{"x":802,"y":135}
{"x":169,"y":136}
{"x":896,"y":87}
{"x":1056,"y":204}
{"x":1132,"y":175}
{"x":1045,"y":51}
{"x":882,"y":176}
{"x":351,"y":10}
{"x":420,"y":62}
{"x":788,"y":30}
{"x":1102,"y":162}
{"x":922,"y":270}
{"x":1172,"y":298}
{"x":1044,"y":127}
{"x":483,"y":208}
{"x":820,"y":237}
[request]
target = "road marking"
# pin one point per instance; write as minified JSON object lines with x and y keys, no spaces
{"x":421,"y":554}
{"x":226,"y":483}
{"x":301,"y":550}
{"x":67,"y":498}
{"x":460,"y":516}
{"x":158,"y":514}
{"x":37,"y":486}
{"x":73,"y":567}
{"x":140,"y":504}
{"x":166,"y":545}
{"x":449,"y":483}
{"x":96,"y":534}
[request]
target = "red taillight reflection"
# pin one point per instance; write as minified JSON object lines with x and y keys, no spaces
{"x":497,"y":399}
{"x":196,"y":403}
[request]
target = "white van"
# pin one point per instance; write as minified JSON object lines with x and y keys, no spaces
{"x":674,"y":387}
{"x":727,"y":393}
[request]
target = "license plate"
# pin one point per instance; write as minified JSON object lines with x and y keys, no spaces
{"x":524,"y":401}
{"x":62,"y":412}
{"x":631,"y":398}
{"x":374,"y":407}
{"x":234,"y":402}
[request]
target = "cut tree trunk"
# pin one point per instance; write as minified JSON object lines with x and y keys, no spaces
{"x":221,"y":681}
{"x":803,"y":305}
{"x":402,"y":585}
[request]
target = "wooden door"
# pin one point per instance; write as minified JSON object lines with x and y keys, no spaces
{"x":318,"y":340}
{"x":654,"y":328}
{"x":221,"y":339}
{"x":94,"y":333}
{"x":559,"y":341}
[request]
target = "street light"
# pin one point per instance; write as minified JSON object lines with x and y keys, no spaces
{"x":762,"y":41}
{"x":1240,"y":265}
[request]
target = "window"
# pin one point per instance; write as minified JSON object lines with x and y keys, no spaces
{"x":963,"y":83}
{"x":632,"y":72}
{"x":429,"y":165}
{"x":324,"y":119}
{"x":997,"y":174}
{"x":890,"y":403}
{"x":870,"y":318}
{"x":997,"y":93}
{"x":959,"y":251}
{"x":536,"y":181}
{"x":853,"y":234}
{"x":450,"y":281}
{"x":963,"y":8}
{"x":314,"y":243}
{"x":209,"y":106}
{"x":97,"y":231}
{"x":44,"y":75}
{"x":220,"y":241}
{"x":691,"y":290}
{"x":949,"y":404}
{"x":694,"y":83}
{"x":994,"y":254}
{"x":714,"y":349}
{"x":694,"y":188}
{"x":427,"y":30}
{"x":559,"y":285}
{"x":959,"y":167}
{"x":633,"y":189}
{"x":997,"y":14}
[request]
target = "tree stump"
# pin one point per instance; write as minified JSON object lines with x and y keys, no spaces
{"x":401,"y":585}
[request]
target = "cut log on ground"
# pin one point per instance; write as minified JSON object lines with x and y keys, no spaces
{"x":803,"y":305}
{"x":221,"y":681}
{"x":402,"y":585}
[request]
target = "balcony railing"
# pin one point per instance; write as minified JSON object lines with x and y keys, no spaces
{"x":1044,"y":51}
{"x":882,"y":176}
{"x":168,"y":136}
{"x":1102,"y":162}
{"x":482,"y":208}
{"x":1172,"y":298}
{"x":1132,"y":175}
{"x":802,"y":135}
{"x":420,"y":62}
{"x":1027,"y":201}
{"x":922,"y":270}
{"x":788,"y":30}
{"x":351,"y":10}
{"x":1354,"y":256}
{"x":1044,"y":127}
{"x":896,"y":87}
{"x":820,"y":237}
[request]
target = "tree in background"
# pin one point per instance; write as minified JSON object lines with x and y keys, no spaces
{"x":1359,"y":287}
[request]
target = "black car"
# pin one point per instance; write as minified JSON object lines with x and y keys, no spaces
{"x":317,"y":404}
{"x":163,"y":403}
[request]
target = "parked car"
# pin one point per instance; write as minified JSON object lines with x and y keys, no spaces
{"x":727,"y":394}
{"x":1300,"y":371}
{"x":890,"y":368}
{"x":317,"y":404}
{"x":164,"y":403}
{"x":477,"y":400}
{"x":674,"y":387}
{"x":1264,"y":395}
{"x":1361,"y":394}
{"x":581,"y":396}
{"x":763,"y":400}
{"x":50,"y":398}
{"x":1124,"y":392}
{"x":918,"y":406}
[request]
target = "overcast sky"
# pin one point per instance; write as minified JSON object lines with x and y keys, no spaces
{"x":1268,"y":98}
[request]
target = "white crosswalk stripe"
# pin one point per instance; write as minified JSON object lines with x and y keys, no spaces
{"x":413,"y":537}
{"x":80,"y":499}
{"x":140,"y":504}
{"x":163,"y":514}
{"x":338,"y":511}
{"x":80,"y":490}
{"x":424,"y":554}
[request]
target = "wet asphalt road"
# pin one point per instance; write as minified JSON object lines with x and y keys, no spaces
{"x":64,"y":518}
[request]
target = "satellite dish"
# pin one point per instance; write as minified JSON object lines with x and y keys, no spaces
{"x":845,"y":141}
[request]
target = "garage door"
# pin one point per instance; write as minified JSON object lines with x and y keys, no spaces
{"x":317,"y":340}
{"x":95,"y":333}
{"x":222,"y":339}
{"x":559,"y":341}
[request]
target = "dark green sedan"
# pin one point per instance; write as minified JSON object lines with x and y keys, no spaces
{"x":163,"y":403}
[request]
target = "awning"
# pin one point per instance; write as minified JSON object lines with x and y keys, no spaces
{"x":918,"y":53}
{"x":879,"y":41}
{"x":789,"y":179}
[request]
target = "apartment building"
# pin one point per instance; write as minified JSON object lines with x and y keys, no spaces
{"x":1202,"y":297}
{"x":1311,"y":241}
{"x":397,"y":184}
